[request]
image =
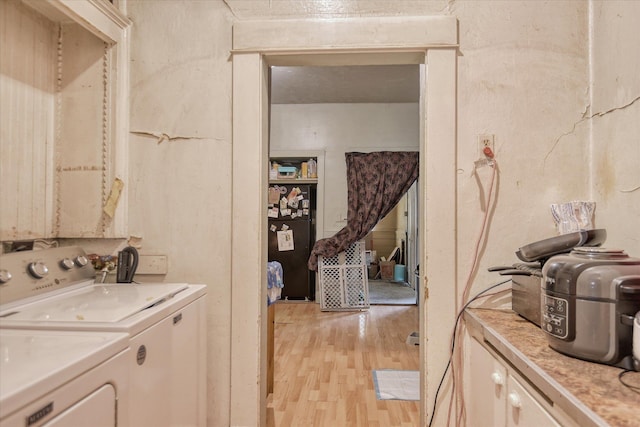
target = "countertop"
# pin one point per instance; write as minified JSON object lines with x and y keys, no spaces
{"x":590,"y":393}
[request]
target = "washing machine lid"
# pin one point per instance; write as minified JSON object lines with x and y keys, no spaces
{"x":103,"y":303}
{"x":34,"y":363}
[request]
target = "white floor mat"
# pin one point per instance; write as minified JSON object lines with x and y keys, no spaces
{"x":397,"y":385}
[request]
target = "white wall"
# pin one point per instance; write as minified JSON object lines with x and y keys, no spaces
{"x":615,"y":108}
{"x":523,"y":76}
{"x":180,"y":189}
{"x":339,"y":128}
{"x":27,"y":83}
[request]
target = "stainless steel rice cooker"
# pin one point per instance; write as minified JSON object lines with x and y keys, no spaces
{"x":590,"y":298}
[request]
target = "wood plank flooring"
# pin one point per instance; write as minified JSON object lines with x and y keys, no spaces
{"x":323,"y":364}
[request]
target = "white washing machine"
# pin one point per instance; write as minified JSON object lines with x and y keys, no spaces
{"x":66,"y":378}
{"x":54,"y":289}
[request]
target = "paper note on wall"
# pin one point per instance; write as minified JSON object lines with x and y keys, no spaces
{"x":112,"y":201}
{"x":285,"y":240}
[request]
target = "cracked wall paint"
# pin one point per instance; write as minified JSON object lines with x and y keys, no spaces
{"x":631,"y":190}
{"x":615,"y":150}
{"x":587,"y":118}
{"x":162,"y":137}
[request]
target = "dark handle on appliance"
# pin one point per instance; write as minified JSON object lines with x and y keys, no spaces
{"x":515,"y":272}
{"x":500,"y":268}
{"x":177,"y":318}
{"x":630,"y":289}
{"x":627,"y":320}
{"x":629,"y":285}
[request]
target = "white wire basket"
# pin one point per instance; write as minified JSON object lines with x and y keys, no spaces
{"x":343,"y":280}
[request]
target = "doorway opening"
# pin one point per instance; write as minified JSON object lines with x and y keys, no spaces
{"x":374,"y":41}
{"x":323,"y":112}
{"x":393,"y":244}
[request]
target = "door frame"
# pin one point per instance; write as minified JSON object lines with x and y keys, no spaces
{"x":412,"y":253}
{"x":432,"y":41}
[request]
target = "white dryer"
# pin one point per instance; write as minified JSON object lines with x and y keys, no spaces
{"x":54,"y":289}
{"x":65,"y":378}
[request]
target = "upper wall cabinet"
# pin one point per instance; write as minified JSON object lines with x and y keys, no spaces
{"x":301,"y":170}
{"x":63,"y":126}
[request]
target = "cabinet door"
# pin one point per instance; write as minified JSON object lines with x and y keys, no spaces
{"x":487,"y":390}
{"x":150,"y":378}
{"x":522,"y":408}
{"x":168,"y":375}
{"x":99,"y":407}
{"x":188,"y":370}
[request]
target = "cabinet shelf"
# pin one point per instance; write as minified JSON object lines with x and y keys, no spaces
{"x":294,"y":181}
{"x":73,"y":137}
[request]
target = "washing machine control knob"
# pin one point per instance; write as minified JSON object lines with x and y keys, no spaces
{"x":37,"y":269}
{"x":81,"y":260}
{"x":5,"y":276}
{"x":66,"y":264}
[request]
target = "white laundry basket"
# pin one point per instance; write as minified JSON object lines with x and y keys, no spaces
{"x":343,"y":280}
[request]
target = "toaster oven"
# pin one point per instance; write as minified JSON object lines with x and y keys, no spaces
{"x":526,"y":276}
{"x":525,"y":295}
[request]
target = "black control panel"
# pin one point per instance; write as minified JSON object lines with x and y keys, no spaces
{"x":555,"y":314}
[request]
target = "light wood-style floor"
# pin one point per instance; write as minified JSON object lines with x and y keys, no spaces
{"x":323,"y":364}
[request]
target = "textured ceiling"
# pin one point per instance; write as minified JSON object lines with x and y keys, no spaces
{"x":345,"y":84}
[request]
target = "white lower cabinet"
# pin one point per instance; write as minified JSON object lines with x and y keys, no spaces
{"x":523,"y":409}
{"x":497,"y":395}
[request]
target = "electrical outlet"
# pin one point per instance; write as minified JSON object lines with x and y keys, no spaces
{"x":485,"y":140}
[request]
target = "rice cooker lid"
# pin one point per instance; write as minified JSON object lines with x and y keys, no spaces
{"x":592,"y":272}
{"x":599,"y":253}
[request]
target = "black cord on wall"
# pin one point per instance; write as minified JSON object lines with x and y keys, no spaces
{"x":453,"y":342}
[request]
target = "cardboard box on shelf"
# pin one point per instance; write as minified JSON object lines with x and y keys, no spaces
{"x":387,"y":269}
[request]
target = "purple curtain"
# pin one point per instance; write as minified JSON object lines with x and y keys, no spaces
{"x":376,"y":182}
